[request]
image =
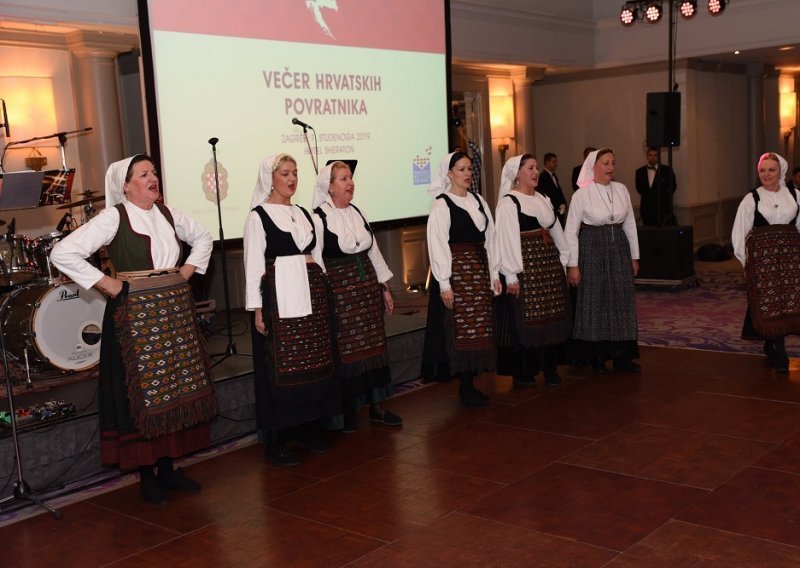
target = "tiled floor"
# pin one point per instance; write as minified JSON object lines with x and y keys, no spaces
{"x":692,"y":463}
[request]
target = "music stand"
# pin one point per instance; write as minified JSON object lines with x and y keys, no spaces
{"x":21,"y":190}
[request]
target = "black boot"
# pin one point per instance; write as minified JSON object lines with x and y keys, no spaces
{"x":781,"y":358}
{"x":551,"y":378}
{"x":599,"y":366}
{"x":525,"y":372}
{"x":151,"y":489}
{"x":549,"y":362}
{"x":171,"y":478}
{"x":469,"y":395}
{"x":277,"y":452}
{"x":625,"y":365}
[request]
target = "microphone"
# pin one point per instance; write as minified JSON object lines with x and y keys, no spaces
{"x":4,"y":118}
{"x":213,"y":141}
{"x":64,"y":220}
{"x":299,"y":122}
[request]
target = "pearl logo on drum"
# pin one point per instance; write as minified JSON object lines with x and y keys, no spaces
{"x":64,"y":295}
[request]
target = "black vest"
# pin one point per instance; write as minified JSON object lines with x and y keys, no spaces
{"x":129,"y":251}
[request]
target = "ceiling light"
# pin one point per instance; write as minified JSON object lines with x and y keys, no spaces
{"x":715,"y":7}
{"x":628,"y":15}
{"x":653,"y":12}
{"x":688,"y":8}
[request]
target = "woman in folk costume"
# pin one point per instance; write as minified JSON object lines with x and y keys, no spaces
{"x":459,"y":336}
{"x":766,"y":241}
{"x":533,"y":256}
{"x":293,"y":352}
{"x":604,"y":259}
{"x":147,"y":418}
{"x":358,"y":276}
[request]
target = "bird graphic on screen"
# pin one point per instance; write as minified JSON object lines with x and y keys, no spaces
{"x":316,"y":7}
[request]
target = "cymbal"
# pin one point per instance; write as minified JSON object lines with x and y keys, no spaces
{"x":82,"y":202}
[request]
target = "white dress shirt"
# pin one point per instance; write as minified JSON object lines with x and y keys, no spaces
{"x":777,"y":207}
{"x":291,"y":274}
{"x":439,"y":235}
{"x":509,"y":243}
{"x":597,"y":205}
{"x":348,"y":225}
{"x":69,"y":255}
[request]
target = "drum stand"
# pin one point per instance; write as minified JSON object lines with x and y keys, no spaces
{"x":231,"y":349}
{"x":22,"y":491}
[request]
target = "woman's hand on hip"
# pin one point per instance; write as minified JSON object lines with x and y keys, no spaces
{"x":111,"y":287}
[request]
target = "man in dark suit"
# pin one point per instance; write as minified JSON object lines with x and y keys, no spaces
{"x":794,"y":181}
{"x":576,"y":171}
{"x":550,"y":186}
{"x":656,"y":183}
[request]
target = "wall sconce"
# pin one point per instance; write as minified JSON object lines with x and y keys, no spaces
{"x":31,"y":106}
{"x":788,"y":117}
{"x":501,"y":121}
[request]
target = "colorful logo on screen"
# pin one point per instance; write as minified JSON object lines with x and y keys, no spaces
{"x":421,"y":168}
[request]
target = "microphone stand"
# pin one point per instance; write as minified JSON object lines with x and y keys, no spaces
{"x":22,"y":491}
{"x":231,"y":348}
{"x":62,"y":140}
{"x":314,"y":160}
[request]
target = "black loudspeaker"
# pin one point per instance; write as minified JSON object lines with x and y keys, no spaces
{"x":666,"y":253}
{"x":663,"y":119}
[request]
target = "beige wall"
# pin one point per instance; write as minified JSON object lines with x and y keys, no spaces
{"x":42,"y":62}
{"x":608,"y":108}
{"x":596,"y":109}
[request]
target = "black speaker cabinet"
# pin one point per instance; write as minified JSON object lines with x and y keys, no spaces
{"x":663,"y":119}
{"x":665,"y":253}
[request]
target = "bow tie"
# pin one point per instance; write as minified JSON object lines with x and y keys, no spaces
{"x":652,"y":167}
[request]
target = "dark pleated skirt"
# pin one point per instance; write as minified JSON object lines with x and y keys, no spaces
{"x":605,"y":312}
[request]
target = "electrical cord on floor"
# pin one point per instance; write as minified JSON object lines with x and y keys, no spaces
{"x":235,"y":419}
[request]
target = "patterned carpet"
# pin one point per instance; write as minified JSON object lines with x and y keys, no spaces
{"x":707,"y":317}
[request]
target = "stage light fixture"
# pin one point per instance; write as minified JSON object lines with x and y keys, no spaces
{"x":628,"y":15}
{"x":688,"y":8}
{"x":715,"y":7}
{"x":653,"y":12}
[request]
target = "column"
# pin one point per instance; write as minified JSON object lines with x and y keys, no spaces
{"x":94,"y":83}
{"x":523,"y":109}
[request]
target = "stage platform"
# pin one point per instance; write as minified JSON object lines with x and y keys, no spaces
{"x":62,"y":453}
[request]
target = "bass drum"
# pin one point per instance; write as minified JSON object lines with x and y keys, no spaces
{"x":53,"y":326}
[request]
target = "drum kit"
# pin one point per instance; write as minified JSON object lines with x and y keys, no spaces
{"x":49,"y":322}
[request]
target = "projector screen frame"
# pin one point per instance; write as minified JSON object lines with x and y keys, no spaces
{"x":153,"y":131}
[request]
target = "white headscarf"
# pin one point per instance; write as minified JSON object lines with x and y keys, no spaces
{"x":587,"y":170}
{"x":441,"y":182}
{"x":509,"y":175}
{"x":115,"y":181}
{"x":784,"y":165}
{"x":323,"y":184}
{"x":263,"y":186}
